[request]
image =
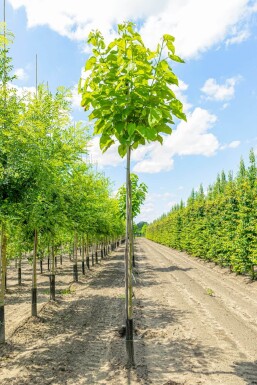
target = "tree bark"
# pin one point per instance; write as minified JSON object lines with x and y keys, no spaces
{"x":61,"y":255}
{"x":34,"y":277}
{"x":128,"y":267}
{"x":75,"y":261}
{"x":133,"y":246}
{"x":96,"y":254}
{"x":83,"y":254}
{"x":52,"y":275}
{"x":92,"y":250}
{"x":19,"y":271}
{"x":87,"y":253}
{"x":3,"y":283}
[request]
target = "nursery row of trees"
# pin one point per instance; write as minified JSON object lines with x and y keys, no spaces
{"x":220,"y":225}
{"x":50,"y":196}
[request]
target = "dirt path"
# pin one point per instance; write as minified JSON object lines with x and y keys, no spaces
{"x":195,"y":324}
{"x":200,"y":321}
{"x":18,"y":298}
{"x":75,"y":340}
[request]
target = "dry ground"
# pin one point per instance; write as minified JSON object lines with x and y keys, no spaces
{"x":195,"y":324}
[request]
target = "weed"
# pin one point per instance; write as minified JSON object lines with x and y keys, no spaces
{"x":209,"y":292}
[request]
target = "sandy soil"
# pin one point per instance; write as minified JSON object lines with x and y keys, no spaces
{"x":200,"y":321}
{"x":195,"y":324}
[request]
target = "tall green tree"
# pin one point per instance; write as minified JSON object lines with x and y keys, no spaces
{"x":128,"y":90}
{"x":10,"y":185}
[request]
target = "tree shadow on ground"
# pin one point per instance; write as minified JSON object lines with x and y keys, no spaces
{"x":170,"y":269}
{"x":63,"y":279}
{"x":247,"y":371}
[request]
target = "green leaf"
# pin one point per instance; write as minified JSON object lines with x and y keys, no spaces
{"x":176,"y":58}
{"x":92,"y":39}
{"x":171,"y":46}
{"x":171,"y":78}
{"x":177,"y":109}
{"x":164,"y":65}
{"x":168,"y":37}
{"x":160,"y":139}
{"x":131,"y":128}
{"x":147,"y":132}
{"x":111,"y":45}
{"x":90,"y":63}
{"x":108,"y":144}
{"x":165,"y":129}
{"x":154,"y":117}
{"x":79,"y":86}
{"x":105,"y":142}
{"x":122,"y":150}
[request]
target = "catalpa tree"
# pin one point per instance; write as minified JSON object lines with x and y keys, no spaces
{"x":130,"y":99}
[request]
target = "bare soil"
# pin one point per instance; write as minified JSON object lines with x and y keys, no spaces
{"x":195,"y":324}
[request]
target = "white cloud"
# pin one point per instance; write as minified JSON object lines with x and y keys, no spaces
{"x":155,"y":205}
{"x":191,"y":138}
{"x":109,"y":158}
{"x":76,"y":97}
{"x":21,"y":74}
{"x":233,"y":144}
{"x":158,"y":162}
{"x":220,"y":92}
{"x":239,"y":37}
{"x":196,"y":24}
{"x":224,"y":106}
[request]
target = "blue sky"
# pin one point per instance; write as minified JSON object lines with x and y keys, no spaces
{"x":218,"y":83}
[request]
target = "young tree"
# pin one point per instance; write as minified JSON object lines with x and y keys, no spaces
{"x":128,"y":89}
{"x":138,"y":195}
{"x":10,"y":185}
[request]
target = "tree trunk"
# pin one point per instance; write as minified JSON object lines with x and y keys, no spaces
{"x":133,"y":246}
{"x":87,"y":253}
{"x":83,"y":254}
{"x":34,"y":277}
{"x":71,"y":251}
{"x":19,"y":271}
{"x":92,"y":250}
{"x":3,"y":283}
{"x":52,"y":275}
{"x":75,"y":260}
{"x":128,"y":267}
{"x":96,"y":254}
{"x":102,"y":250}
{"x":61,"y":251}
{"x":48,"y":258}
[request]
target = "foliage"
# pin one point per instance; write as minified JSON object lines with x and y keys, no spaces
{"x":138,"y":191}
{"x":45,"y":183}
{"x":220,"y":225}
{"x":128,"y":89}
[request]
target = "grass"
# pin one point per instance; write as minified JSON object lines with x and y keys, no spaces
{"x":66,"y":291}
{"x":209,"y":292}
